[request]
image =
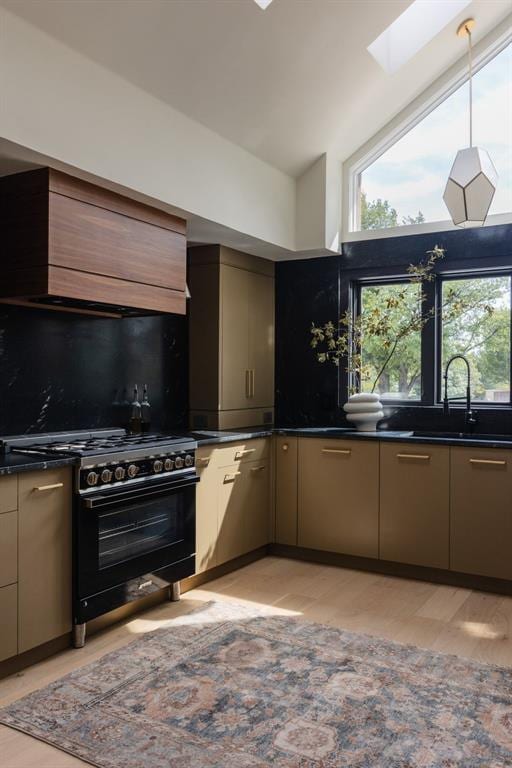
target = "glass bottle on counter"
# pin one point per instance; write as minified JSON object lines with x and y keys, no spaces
{"x":145,"y":411}
{"x":135,"y":422}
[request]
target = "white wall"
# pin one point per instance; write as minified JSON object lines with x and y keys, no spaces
{"x":318,"y":214}
{"x":66,"y":107}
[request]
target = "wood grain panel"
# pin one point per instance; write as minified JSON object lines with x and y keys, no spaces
{"x":108,"y":290}
{"x":91,"y":239}
{"x":92,"y":194}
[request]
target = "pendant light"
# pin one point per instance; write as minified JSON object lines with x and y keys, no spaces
{"x":473,"y":178}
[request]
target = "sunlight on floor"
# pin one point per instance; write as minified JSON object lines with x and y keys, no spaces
{"x":480,"y":629}
{"x":198,"y":597}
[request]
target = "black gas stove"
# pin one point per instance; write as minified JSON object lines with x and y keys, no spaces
{"x":133,"y":515}
{"x":113,"y":457}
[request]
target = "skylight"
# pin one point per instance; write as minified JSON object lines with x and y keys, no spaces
{"x":412,"y":30}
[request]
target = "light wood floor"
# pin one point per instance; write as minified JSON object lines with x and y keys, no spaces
{"x":447,"y":619}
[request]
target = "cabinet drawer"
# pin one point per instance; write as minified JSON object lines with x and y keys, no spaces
{"x":8,"y":621}
{"x":8,"y":493}
{"x":241,"y":452}
{"x":414,"y":504}
{"x":8,"y":548}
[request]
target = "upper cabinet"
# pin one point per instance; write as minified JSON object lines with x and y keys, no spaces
{"x":231,"y":338}
{"x":70,"y":244}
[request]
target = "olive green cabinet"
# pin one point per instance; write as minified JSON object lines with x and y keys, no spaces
{"x":414,"y":504}
{"x":233,"y":509}
{"x":338,"y":496}
{"x":286,"y":450}
{"x":481,"y":512}
{"x":35,"y":559}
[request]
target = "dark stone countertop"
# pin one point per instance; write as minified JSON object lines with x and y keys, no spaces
{"x":211,"y":437}
{"x":401,"y":436}
{"x":12,"y":463}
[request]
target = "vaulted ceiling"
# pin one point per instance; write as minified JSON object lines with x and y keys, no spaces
{"x":287,"y":84}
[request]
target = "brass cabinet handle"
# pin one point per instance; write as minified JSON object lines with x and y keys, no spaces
{"x":495,"y":462}
{"x":203,"y":461}
{"x":417,"y":456}
{"x":231,"y":477}
{"x":241,"y":454}
{"x":48,"y":487}
{"x":253,"y":385}
{"x":257,"y":469}
{"x":284,"y":447}
{"x":344,"y":451}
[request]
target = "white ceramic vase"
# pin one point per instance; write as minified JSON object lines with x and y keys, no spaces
{"x":364,"y":410}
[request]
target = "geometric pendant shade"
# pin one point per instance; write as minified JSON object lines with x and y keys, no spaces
{"x":470,"y":188}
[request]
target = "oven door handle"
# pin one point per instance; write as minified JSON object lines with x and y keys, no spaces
{"x":136,"y":494}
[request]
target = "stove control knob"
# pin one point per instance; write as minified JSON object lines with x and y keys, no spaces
{"x":169,"y":465}
{"x":92,"y":478}
{"x":106,"y":476}
{"x":119,"y":473}
{"x":189,"y":460}
{"x":179,"y":462}
{"x":158,"y":465}
{"x":133,"y":471}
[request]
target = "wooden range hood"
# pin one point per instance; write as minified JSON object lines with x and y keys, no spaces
{"x":76,"y":247}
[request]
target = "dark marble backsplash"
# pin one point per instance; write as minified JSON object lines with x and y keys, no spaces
{"x":308,"y":394}
{"x":62,"y":371}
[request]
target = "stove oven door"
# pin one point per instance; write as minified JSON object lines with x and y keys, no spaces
{"x":127,"y":533}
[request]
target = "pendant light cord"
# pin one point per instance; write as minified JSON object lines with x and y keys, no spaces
{"x":470,"y":58}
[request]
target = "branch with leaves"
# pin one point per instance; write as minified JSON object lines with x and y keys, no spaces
{"x":398,"y":318}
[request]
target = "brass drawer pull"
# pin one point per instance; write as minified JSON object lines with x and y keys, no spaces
{"x":203,"y":462}
{"x":257,"y":469}
{"x":241,"y":454}
{"x":344,"y":451}
{"x":231,"y":477}
{"x":419,"y":456}
{"x":48,"y":487}
{"x":495,"y":462}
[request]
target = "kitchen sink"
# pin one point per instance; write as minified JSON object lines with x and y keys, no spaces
{"x":464,"y":436}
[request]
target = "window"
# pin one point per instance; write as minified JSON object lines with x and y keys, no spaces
{"x":397,"y":307}
{"x":405,"y":185}
{"x":476,"y":323}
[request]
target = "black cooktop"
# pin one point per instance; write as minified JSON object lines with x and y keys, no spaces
{"x":88,"y":444}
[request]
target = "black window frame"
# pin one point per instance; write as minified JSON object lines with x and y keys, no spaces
{"x":446,"y":277}
{"x":431,"y":334}
{"x":375,"y":282}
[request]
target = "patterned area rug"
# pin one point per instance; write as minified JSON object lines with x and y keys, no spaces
{"x":222,"y":687}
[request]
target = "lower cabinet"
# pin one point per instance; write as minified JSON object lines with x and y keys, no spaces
{"x":286,"y":487}
{"x":207,"y":526}
{"x":338,"y":498}
{"x":232,"y":502}
{"x":481,"y":513}
{"x":9,"y":621}
{"x":44,"y":557}
{"x":244,"y":503}
{"x":414,"y":504}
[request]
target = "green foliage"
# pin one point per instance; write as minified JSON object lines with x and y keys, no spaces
{"x":391,"y":317}
{"x":381,"y":347}
{"x":378,"y":214}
